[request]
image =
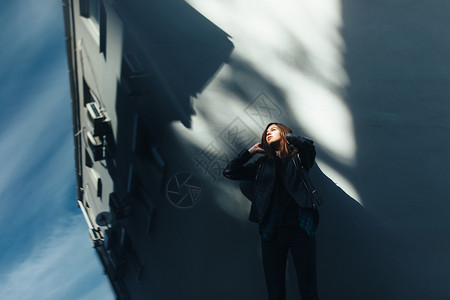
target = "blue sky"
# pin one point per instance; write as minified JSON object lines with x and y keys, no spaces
{"x":45,"y":250}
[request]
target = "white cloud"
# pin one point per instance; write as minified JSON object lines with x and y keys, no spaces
{"x":27,"y":135}
{"x":59,"y":267}
{"x":36,"y":147}
{"x":98,"y":293}
{"x":40,"y":192}
{"x":35,"y":136}
{"x":27,"y":26}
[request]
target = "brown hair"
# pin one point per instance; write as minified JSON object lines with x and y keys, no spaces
{"x":286,"y":150}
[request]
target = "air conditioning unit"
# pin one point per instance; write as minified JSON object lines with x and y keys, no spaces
{"x":98,"y":118}
{"x":94,"y":112}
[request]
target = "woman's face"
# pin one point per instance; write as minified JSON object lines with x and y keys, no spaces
{"x":273,"y":134}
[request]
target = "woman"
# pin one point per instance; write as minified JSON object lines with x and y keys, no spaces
{"x":284,"y":204}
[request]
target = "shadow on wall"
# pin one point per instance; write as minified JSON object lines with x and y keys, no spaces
{"x":180,"y":52}
{"x":170,"y":53}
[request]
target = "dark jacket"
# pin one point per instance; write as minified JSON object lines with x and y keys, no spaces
{"x":259,"y":176}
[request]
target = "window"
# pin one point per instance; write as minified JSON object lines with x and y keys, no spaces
{"x":87,"y":159}
{"x":94,"y":11}
{"x":90,"y":9}
{"x":143,"y":203}
{"x":145,"y":147}
{"x":136,"y":77}
{"x":96,"y":181}
{"x":87,"y":97}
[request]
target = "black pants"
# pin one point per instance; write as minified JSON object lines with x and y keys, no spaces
{"x":303,"y":251}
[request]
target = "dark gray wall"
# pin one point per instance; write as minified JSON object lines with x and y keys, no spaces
{"x":392,"y":76}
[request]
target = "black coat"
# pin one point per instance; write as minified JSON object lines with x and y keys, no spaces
{"x":259,"y":177}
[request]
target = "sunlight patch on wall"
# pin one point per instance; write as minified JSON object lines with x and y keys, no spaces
{"x":326,"y":118}
{"x":294,"y":49}
{"x":340,"y":181}
{"x":297,"y":46}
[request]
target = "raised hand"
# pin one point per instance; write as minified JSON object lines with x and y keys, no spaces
{"x":256,"y":148}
